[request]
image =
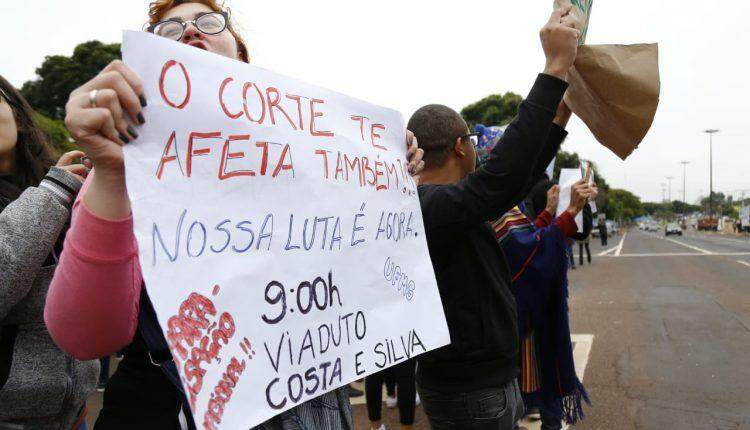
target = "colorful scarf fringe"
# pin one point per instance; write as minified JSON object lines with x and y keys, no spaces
{"x":538,"y":266}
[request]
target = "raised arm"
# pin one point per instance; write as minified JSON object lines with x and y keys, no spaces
{"x":503,"y":179}
{"x":92,"y":303}
{"x":500,"y":183}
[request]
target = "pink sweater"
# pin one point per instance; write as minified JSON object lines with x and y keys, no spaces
{"x":92,"y":303}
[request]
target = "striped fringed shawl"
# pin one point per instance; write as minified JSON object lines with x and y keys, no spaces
{"x":538,"y":267}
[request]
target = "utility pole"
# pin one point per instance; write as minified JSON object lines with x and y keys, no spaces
{"x":711,"y":132}
{"x":684,"y":187}
{"x":663,"y":193}
{"x":669,"y":178}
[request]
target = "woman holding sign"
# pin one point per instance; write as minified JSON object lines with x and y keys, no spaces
{"x":97,"y":302}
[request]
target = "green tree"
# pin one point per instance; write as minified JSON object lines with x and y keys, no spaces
{"x":57,"y":132}
{"x":494,"y":109}
{"x":678,"y":207}
{"x":723,"y":204}
{"x":624,"y":205}
{"x":59,"y":75}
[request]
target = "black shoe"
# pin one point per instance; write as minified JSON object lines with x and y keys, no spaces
{"x":353,"y":392}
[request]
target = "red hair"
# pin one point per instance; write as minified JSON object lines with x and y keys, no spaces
{"x":158,"y":8}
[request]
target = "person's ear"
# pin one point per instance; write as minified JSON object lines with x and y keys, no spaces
{"x":458,"y":148}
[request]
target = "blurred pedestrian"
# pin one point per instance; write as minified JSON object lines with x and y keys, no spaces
{"x":404,"y":377}
{"x":390,"y":388}
{"x":40,"y":385}
{"x":602,"y":226}
{"x":569,"y":252}
{"x":584,"y":244}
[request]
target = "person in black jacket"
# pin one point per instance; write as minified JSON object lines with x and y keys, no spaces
{"x":471,"y":383}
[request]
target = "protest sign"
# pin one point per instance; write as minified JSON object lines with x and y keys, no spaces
{"x":580,"y":13}
{"x":587,"y":166}
{"x":568,"y":178}
{"x":279,"y":232}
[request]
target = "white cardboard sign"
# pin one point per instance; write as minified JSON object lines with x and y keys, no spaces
{"x":279,"y":232}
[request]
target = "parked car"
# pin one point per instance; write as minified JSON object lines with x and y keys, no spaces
{"x":672,"y":228}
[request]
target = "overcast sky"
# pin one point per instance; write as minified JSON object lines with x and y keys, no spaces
{"x":404,"y":54}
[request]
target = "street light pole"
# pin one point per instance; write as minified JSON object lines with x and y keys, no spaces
{"x":684,"y":187}
{"x":669,"y":178}
{"x":711,"y":132}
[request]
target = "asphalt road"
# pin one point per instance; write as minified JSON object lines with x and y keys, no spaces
{"x":666,"y":323}
{"x":671,"y":325}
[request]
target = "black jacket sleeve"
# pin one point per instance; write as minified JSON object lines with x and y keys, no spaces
{"x":535,"y":194}
{"x":505,"y":178}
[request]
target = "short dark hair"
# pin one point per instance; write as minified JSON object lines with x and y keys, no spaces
{"x":436,"y":128}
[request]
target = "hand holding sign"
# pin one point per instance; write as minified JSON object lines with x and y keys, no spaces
{"x":560,"y":42}
{"x":580,"y":194}
{"x":97,"y":112}
{"x":553,"y":198}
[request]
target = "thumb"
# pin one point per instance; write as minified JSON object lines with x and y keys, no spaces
{"x":68,"y":157}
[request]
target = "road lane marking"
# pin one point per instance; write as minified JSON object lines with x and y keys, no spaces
{"x":708,"y":236}
{"x":607,"y":251}
{"x":681,"y":254}
{"x":745,"y":263}
{"x":694,"y":248}
{"x":581,"y":352}
{"x":619,"y":246}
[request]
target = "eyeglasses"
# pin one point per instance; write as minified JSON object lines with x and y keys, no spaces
{"x":207,"y":23}
{"x":473,"y":137}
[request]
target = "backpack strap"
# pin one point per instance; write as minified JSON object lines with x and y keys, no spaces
{"x":158,"y":350}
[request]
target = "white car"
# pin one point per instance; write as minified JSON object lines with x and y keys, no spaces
{"x":672,"y":228}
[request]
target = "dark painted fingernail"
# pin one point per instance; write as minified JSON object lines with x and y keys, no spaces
{"x":142,"y":98}
{"x":141,"y":119}
{"x":123,"y":138}
{"x":412,"y":168}
{"x":132,"y":132}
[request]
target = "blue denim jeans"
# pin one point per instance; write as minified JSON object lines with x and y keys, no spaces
{"x":485,"y":409}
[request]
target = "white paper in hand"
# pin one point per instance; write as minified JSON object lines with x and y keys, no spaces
{"x":568,"y":177}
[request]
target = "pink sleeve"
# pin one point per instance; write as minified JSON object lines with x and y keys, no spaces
{"x":92,"y":303}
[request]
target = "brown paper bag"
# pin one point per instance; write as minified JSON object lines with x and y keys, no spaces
{"x":614,"y":89}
